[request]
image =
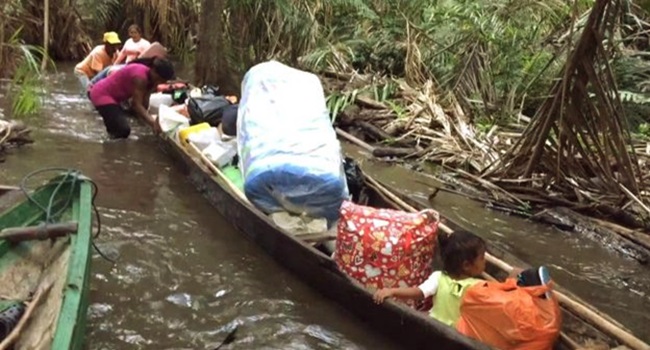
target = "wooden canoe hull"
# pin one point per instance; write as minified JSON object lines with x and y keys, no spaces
{"x":59,"y":268}
{"x":410,"y":329}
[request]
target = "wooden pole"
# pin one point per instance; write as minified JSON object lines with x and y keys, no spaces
{"x":41,"y":232}
{"x":15,"y":333}
{"x":217,"y":172}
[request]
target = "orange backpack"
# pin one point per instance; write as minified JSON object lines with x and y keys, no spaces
{"x":510,"y":317}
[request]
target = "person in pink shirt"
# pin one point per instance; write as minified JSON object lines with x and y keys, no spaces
{"x":133,"y":47}
{"x":135,"y":81}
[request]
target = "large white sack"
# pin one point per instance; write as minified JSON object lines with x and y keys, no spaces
{"x":289,"y":154}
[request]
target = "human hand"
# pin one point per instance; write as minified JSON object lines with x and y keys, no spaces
{"x":382,"y":295}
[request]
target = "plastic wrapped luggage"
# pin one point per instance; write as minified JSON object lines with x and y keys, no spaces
{"x":384,"y":248}
{"x":289,"y":154}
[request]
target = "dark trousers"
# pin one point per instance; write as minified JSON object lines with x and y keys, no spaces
{"x":115,"y":120}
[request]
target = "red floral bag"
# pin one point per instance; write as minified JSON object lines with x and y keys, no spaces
{"x":385,"y":248}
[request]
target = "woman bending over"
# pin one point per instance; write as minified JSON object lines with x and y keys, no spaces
{"x":135,"y":81}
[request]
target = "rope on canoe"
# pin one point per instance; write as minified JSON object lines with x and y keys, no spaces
{"x":72,"y":176}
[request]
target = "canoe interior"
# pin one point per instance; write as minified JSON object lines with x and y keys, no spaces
{"x":313,"y":265}
{"x":62,"y":264}
{"x":411,"y":329}
{"x":578,"y":330}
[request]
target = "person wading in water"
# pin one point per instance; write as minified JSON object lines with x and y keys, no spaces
{"x":135,"y":46}
{"x":135,"y":81}
{"x":97,"y":60}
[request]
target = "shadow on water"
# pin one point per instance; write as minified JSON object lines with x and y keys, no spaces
{"x":614,"y":284}
{"x":183,"y":276}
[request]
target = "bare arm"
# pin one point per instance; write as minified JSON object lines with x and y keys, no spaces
{"x":139,"y":95}
{"x":413,"y":293}
{"x":121,"y":57}
{"x":147,"y":98}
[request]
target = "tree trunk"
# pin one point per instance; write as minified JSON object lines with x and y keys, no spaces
{"x":3,"y":68}
{"x":46,"y":34}
{"x":147,"y":23}
{"x":211,"y":58}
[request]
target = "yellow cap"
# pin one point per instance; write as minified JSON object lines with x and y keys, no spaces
{"x":112,"y":38}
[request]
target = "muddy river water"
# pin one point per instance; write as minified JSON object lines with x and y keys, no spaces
{"x":184,"y":277}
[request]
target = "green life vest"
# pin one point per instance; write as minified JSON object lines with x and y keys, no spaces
{"x":446,"y":302}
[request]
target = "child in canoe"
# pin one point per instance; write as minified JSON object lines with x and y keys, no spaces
{"x":134,"y":82}
{"x":463,"y":259}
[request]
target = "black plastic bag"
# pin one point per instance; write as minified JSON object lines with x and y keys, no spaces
{"x":207,"y":109}
{"x":353,"y":177}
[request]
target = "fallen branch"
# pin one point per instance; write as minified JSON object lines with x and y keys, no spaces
{"x":634,"y":198}
{"x":637,"y":237}
{"x":355,"y":140}
{"x":370,"y":103}
{"x":392,"y":152}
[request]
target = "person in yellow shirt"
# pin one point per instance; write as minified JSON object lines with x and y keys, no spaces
{"x":99,"y":58}
{"x":463,"y":260}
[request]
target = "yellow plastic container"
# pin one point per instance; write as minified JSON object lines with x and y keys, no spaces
{"x":186,"y":132}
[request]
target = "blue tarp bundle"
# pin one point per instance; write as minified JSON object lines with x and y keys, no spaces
{"x":289,"y":154}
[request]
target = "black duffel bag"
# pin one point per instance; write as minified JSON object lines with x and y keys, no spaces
{"x":207,"y":109}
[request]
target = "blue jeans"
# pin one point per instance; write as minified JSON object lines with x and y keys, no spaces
{"x":83,"y":81}
{"x":104,"y":73}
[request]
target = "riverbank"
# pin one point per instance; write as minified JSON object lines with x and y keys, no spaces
{"x":13,"y":134}
{"x":425,"y":132}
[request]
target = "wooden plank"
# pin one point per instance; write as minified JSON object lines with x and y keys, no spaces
{"x":10,"y":199}
{"x":7,"y":188}
{"x":71,"y":325}
{"x":317,"y":237}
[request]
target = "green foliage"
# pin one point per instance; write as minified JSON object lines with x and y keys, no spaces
{"x":173,"y":23}
{"x":27,"y":82}
{"x":633,"y":79}
{"x":644,"y":129}
{"x":26,"y":79}
{"x":337,"y":102}
{"x":494,"y":52}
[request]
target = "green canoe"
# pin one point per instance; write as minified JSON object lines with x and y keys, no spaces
{"x":45,"y":242}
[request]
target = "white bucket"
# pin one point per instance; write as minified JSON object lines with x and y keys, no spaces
{"x":159,"y":99}
{"x":220,"y":153}
{"x":202,"y":139}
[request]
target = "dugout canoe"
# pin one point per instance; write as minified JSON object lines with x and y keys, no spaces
{"x":409,"y":328}
{"x":44,"y":269}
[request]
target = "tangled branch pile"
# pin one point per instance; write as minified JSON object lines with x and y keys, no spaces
{"x":577,"y":151}
{"x":578,"y":146}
